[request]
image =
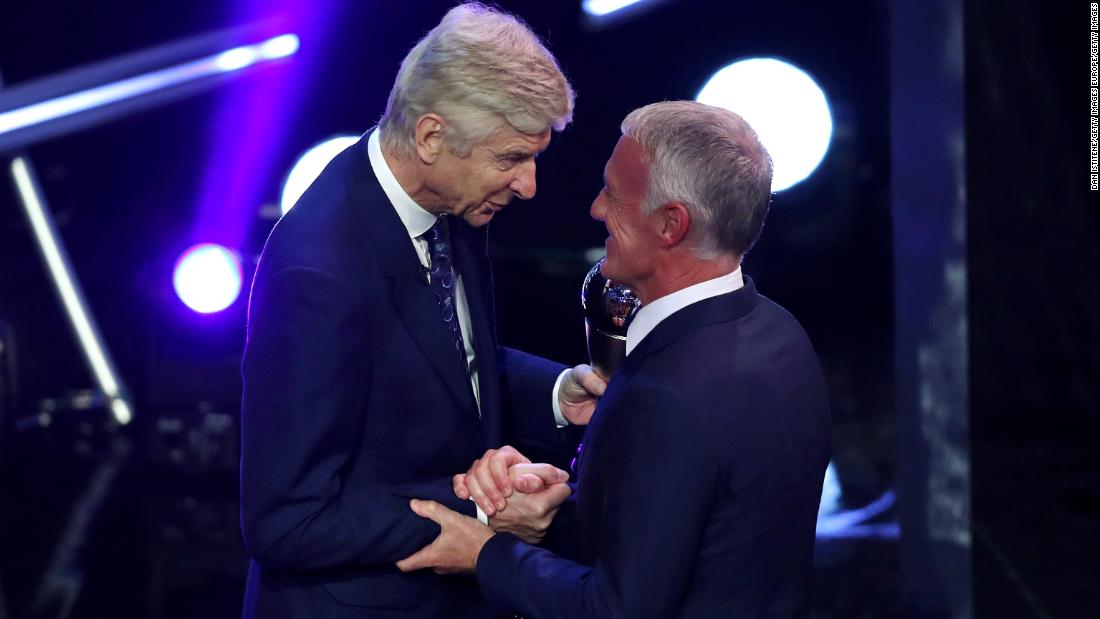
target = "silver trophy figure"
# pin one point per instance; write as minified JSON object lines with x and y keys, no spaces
{"x":608,"y":310}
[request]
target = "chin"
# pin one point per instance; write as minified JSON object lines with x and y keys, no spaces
{"x":479,"y":218}
{"x":607,"y":269}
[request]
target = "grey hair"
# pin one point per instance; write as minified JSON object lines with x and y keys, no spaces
{"x":478,"y":69}
{"x":710,"y":160}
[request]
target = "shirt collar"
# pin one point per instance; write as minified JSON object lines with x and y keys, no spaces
{"x":651,"y":314}
{"x":417,"y":221}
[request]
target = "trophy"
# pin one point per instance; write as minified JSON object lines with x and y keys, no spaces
{"x":608,"y":310}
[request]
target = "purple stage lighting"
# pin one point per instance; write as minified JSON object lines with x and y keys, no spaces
{"x":207,"y":278}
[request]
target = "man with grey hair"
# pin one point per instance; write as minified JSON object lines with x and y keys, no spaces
{"x":701,"y":471}
{"x":371,"y":371}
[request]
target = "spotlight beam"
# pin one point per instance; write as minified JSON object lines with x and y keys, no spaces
{"x":50,"y":107}
{"x":603,"y":8}
{"x":68,"y":288}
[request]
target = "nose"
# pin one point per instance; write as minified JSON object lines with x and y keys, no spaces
{"x":523,"y":185}
{"x":599,"y":208}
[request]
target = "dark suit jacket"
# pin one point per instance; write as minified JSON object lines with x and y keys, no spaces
{"x":699,"y":479}
{"x":354,"y":403}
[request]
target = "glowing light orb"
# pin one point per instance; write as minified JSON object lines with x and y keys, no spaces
{"x":784,"y":105}
{"x":207,"y":278}
{"x":309,"y":167}
{"x":599,"y":8}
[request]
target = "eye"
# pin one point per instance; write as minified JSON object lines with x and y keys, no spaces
{"x":508,"y":162}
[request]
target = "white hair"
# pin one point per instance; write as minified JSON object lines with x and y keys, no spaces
{"x":710,"y":160}
{"x":479,"y":69}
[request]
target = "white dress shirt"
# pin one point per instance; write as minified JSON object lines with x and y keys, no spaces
{"x":651,"y":314}
{"x":417,"y":222}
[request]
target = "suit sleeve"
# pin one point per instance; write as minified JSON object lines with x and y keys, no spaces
{"x":659,"y":488}
{"x":304,"y":399}
{"x":527,"y":391}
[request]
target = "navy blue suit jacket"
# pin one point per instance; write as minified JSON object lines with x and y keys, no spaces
{"x":354,"y":403}
{"x":699,"y":479}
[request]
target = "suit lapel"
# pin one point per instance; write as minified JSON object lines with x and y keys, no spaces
{"x":411,"y":294}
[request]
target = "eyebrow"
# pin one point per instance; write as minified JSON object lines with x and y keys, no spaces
{"x":514,"y":153}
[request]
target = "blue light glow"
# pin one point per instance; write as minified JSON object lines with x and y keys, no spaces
{"x":236,"y":58}
{"x":784,"y":105}
{"x":207,"y":278}
{"x":856,"y":522}
{"x":115,"y":92}
{"x":599,"y":8}
{"x":279,"y":47}
{"x":68,"y":288}
{"x":309,"y":167}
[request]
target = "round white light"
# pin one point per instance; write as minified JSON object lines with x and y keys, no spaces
{"x":784,"y":105}
{"x":309,"y":167}
{"x":207,"y":278}
{"x":280,"y":46}
{"x":236,"y":58}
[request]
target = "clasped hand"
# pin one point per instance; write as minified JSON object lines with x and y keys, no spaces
{"x":519,"y":497}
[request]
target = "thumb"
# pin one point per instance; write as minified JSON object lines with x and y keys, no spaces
{"x":592,"y":382}
{"x":558,"y":493}
{"x":428,"y":509}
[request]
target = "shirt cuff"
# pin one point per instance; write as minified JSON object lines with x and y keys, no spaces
{"x":481,"y":517}
{"x":558,"y":416}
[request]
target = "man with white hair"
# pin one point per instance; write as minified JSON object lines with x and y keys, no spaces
{"x":700,"y":476}
{"x":371,"y":370}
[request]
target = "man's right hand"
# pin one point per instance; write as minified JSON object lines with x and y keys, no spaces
{"x":528,"y":516}
{"x":491,"y":479}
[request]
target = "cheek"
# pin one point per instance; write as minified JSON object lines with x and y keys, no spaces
{"x":617,"y":228}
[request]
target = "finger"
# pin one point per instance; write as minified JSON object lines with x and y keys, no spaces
{"x":417,"y":561}
{"x":499,"y":465}
{"x":478,"y":495}
{"x":429,"y":509}
{"x":488,"y":484}
{"x":591,"y":381}
{"x":529,"y":484}
{"x":555,"y":495}
{"x":548,"y":473}
{"x":458,"y":484}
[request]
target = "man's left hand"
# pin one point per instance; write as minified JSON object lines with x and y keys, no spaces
{"x":455,"y":549}
{"x":578,"y":392}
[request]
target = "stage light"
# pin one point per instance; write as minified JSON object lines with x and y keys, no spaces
{"x":309,"y":167}
{"x":207,"y":278}
{"x":784,"y":105}
{"x":279,"y":47}
{"x":68,"y":288}
{"x":133,"y":88}
{"x":600,"y":8}
{"x":237,"y":58}
{"x":241,"y":57}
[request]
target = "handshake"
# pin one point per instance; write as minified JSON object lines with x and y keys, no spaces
{"x":518,"y":497}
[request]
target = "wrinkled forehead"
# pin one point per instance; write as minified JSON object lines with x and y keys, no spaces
{"x":628,"y":161}
{"x":507,"y":140}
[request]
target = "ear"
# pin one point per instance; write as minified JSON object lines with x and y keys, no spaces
{"x":429,"y":137}
{"x":675,"y":221}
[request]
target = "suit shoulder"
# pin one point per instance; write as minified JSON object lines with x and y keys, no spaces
{"x":322,"y":230}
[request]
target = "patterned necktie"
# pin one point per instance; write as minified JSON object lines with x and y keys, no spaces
{"x":443,"y":283}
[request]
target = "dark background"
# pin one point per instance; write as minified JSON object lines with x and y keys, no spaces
{"x":128,"y":194}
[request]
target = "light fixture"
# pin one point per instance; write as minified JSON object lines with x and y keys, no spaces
{"x":784,"y":105}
